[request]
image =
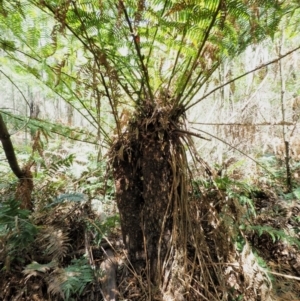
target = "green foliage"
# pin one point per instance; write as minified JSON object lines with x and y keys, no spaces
{"x":101,"y":229}
{"x":240,"y":241}
{"x":71,"y":280}
{"x":67,"y":282}
{"x":97,"y":180}
{"x":295,"y":194}
{"x":103,"y":55}
{"x":71,"y":197}
{"x":269,"y":230}
{"x":239,"y":190}
{"x":33,"y":268}
{"x":17,"y":232}
{"x":60,"y":165}
{"x":275,"y":234}
{"x":17,"y":122}
{"x":249,"y":219}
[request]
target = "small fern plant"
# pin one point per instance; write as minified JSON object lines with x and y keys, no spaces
{"x":65,"y":282}
{"x":17,"y":232}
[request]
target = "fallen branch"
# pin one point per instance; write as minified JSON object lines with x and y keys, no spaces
{"x":108,"y":281}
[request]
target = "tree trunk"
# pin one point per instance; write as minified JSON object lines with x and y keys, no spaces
{"x":24,"y":175}
{"x":157,"y":223}
{"x":129,"y":199}
{"x":144,"y":189}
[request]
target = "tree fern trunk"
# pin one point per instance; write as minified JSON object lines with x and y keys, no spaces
{"x":145,"y":186}
{"x":156,"y":215}
{"x":129,"y":199}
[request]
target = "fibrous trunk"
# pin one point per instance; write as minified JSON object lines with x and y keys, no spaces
{"x":184,"y":242}
{"x":145,"y":187}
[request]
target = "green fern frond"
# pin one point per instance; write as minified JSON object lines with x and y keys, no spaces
{"x":16,"y":228}
{"x":275,"y":234}
{"x":36,"y":269}
{"x":115,"y":44}
{"x":48,"y":128}
{"x":60,"y":165}
{"x":71,"y":197}
{"x":7,"y":45}
{"x":71,"y":280}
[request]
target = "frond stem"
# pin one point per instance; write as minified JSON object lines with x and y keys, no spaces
{"x":176,"y":61}
{"x":91,"y":49}
{"x":237,"y":149}
{"x":205,"y":38}
{"x":243,"y":75}
{"x":138,"y":50}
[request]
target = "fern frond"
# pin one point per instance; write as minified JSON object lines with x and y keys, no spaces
{"x":54,"y":242}
{"x":112,"y":61}
{"x":48,"y":128}
{"x":37,"y":269}
{"x":17,"y":231}
{"x":70,"y":280}
{"x":71,"y":197}
{"x":275,"y":234}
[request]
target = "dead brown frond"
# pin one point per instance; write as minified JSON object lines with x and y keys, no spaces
{"x":54,"y":242}
{"x":38,"y":270}
{"x":57,"y":277}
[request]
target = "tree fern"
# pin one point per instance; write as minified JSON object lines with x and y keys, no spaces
{"x":155,"y":56}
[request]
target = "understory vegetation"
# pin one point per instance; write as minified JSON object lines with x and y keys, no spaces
{"x":245,"y":229}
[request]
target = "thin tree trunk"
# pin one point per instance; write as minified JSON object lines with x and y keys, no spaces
{"x":9,"y":150}
{"x":24,"y":175}
{"x":284,"y":134}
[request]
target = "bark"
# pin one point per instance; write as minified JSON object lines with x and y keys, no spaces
{"x":289,"y":183}
{"x":143,"y":178}
{"x":24,"y":175}
{"x":130,"y":201}
{"x":157,"y":224}
{"x":9,"y":150}
{"x":34,"y":113}
{"x":283,"y":112}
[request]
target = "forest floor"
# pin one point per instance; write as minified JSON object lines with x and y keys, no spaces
{"x":49,"y":267}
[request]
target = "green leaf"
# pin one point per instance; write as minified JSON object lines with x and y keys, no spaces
{"x":297,"y":193}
